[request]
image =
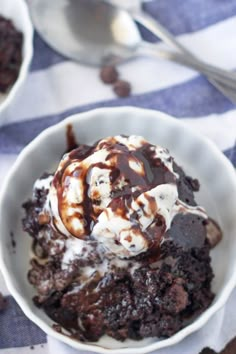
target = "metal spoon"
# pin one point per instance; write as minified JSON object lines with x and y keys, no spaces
{"x":162,"y":33}
{"x":97,"y":33}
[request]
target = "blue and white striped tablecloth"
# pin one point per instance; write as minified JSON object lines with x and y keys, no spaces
{"x":57,"y":87}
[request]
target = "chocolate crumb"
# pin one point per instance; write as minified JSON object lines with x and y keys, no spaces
{"x":13,"y":242}
{"x":38,"y":250}
{"x":193,"y":182}
{"x":32,"y":347}
{"x":214,"y":233}
{"x":3,"y":302}
{"x":208,"y":351}
{"x":122,"y":88}
{"x":176,"y":299}
{"x":57,"y":328}
{"x":43,"y":219}
{"x":109,"y":74}
{"x":36,"y":301}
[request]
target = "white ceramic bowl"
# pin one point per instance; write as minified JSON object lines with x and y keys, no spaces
{"x":199,"y":157}
{"x":17,"y":11}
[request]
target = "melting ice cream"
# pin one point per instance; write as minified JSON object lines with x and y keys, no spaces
{"x":116,"y":193}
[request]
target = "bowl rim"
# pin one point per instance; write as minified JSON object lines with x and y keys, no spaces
{"x":176,"y":338}
{"x":28,"y":43}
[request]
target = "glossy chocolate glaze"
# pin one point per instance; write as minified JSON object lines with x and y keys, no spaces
{"x":70,"y":138}
{"x":154,"y":172}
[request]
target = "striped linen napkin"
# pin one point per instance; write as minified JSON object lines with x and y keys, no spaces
{"x":57,"y":87}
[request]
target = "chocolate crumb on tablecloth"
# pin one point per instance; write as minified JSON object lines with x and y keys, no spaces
{"x":32,"y":347}
{"x":122,"y":88}
{"x":230,"y":348}
{"x":207,"y":351}
{"x":3,"y":302}
{"x":11,"y":42}
{"x":109,"y":74}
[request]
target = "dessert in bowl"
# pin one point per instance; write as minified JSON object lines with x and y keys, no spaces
{"x":16,"y":48}
{"x":121,"y":244}
{"x":121,"y":248}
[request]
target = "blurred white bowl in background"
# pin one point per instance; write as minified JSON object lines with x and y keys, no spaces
{"x":17,"y":11}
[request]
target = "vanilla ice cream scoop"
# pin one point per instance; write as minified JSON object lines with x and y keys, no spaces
{"x":122,"y":192}
{"x":136,"y":224}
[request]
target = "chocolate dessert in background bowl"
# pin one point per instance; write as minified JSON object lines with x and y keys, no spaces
{"x":16,"y":49}
{"x":10,"y":54}
{"x":122,"y":254}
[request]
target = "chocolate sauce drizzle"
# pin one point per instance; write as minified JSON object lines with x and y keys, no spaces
{"x":153,"y":172}
{"x":70,"y":138}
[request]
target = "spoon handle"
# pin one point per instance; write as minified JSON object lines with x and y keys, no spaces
{"x":222,"y":76}
{"x":158,"y":30}
{"x":223,"y":80}
{"x":226,"y":91}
